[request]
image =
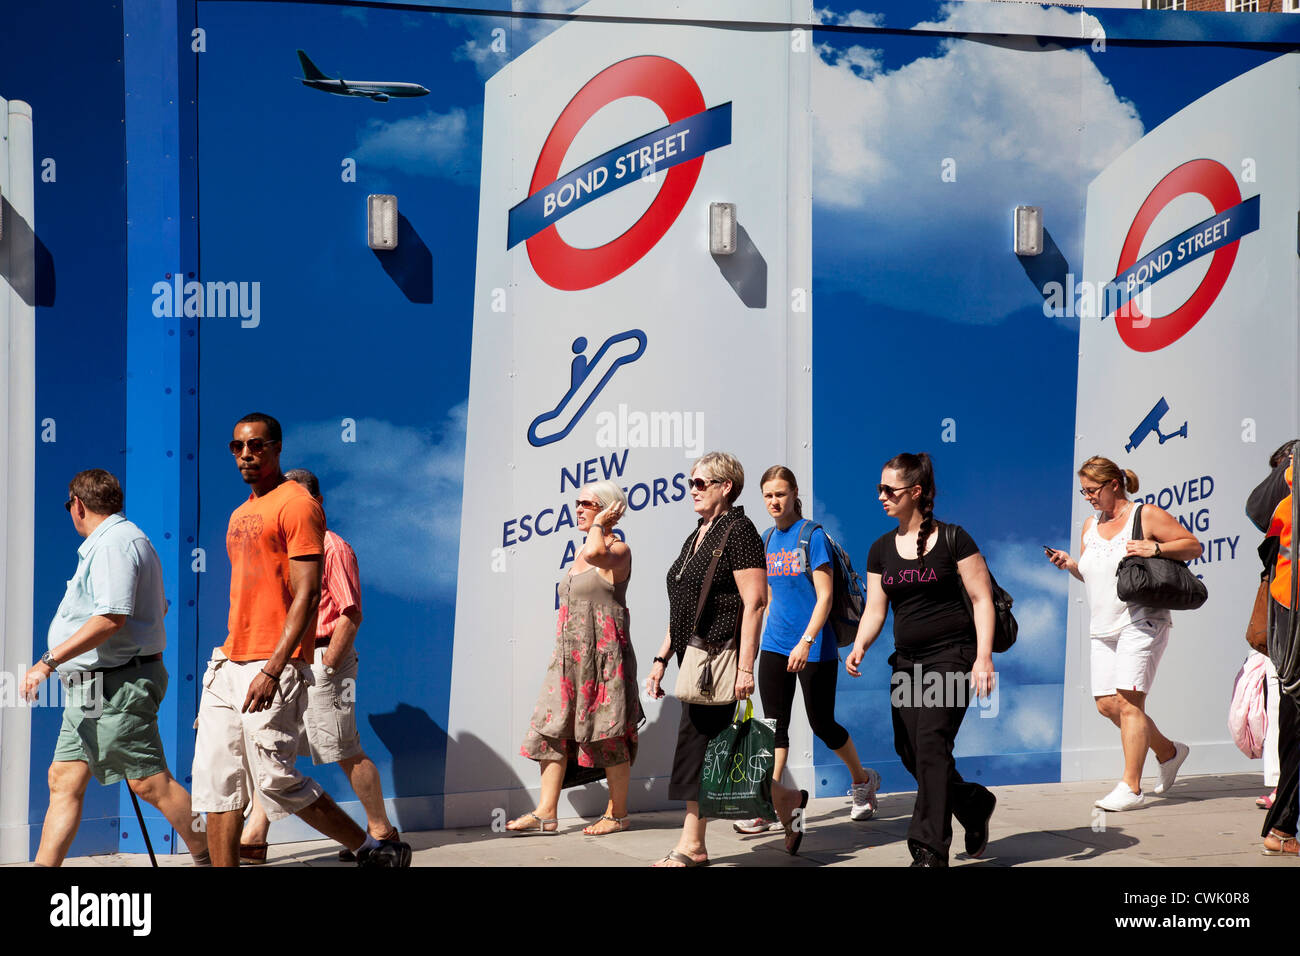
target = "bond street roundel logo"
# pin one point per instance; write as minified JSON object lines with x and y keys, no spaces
{"x":677,"y":148}
{"x":1216,"y":236}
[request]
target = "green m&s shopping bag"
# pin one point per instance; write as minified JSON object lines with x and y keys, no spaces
{"x":737,"y":779}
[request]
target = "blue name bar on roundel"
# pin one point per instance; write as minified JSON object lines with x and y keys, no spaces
{"x":1205,"y":237}
{"x":654,"y":152}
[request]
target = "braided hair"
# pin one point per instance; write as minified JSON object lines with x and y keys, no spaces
{"x":917,"y":470}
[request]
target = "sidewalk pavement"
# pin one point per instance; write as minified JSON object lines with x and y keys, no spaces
{"x":1207,"y":821}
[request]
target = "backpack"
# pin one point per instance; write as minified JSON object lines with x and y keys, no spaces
{"x":848,"y":595}
{"x":1005,"y":627}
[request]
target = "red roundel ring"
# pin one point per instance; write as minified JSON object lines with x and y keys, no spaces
{"x":1213,"y":181}
{"x":673,"y":90}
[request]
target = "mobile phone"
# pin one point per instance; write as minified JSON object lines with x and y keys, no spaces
{"x":1049,"y":550}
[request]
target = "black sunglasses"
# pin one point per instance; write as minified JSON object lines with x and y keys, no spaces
{"x":67,"y":505}
{"x":255,"y":445}
{"x":699,"y":484}
{"x":892,"y":492}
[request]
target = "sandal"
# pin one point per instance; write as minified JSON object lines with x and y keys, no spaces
{"x":1278,"y":843}
{"x":1266,"y":802}
{"x":542,"y":825}
{"x":681,"y":859}
{"x":793,"y":836}
{"x":621,"y":822}
{"x":252,"y":854}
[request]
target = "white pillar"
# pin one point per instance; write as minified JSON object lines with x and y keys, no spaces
{"x":17,"y":463}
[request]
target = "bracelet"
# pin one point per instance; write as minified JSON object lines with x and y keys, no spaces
{"x":663,"y":661}
{"x":272,"y":676}
{"x":743,"y":671}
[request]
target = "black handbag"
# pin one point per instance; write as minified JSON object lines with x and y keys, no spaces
{"x":1157,"y":582}
{"x":1005,"y":627}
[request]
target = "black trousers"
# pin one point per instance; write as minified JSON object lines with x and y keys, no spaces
{"x":925,"y":727}
{"x":817,"y":680}
{"x":700,"y":723}
{"x":1286,"y":805}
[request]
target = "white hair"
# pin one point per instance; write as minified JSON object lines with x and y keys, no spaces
{"x":607,"y":493}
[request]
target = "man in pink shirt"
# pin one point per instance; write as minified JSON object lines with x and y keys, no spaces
{"x":330,"y":721}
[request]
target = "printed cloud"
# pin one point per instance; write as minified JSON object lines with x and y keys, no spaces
{"x":395,"y":495}
{"x":1013,"y":125}
{"x":432,"y":144}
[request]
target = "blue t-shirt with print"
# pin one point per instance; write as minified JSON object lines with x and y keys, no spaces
{"x":793,"y":595}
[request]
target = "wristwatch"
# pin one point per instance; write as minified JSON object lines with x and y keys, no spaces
{"x":1157,"y":544}
{"x":661,"y":660}
{"x":809,"y":640}
{"x":48,"y":660}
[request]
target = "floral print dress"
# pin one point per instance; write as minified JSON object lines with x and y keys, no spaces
{"x":589,"y":707}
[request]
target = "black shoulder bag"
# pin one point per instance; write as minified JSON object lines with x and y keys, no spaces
{"x":1157,"y":582}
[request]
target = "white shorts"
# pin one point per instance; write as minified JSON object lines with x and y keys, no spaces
{"x":331,"y":718}
{"x":1128,"y":660}
{"x":232,"y":746}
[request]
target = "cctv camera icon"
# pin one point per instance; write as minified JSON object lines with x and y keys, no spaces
{"x":1151,"y":424}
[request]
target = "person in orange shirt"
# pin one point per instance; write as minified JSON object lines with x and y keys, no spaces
{"x":255,"y":687}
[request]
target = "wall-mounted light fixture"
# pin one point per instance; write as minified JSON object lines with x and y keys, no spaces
{"x":1027,"y":231}
{"x":381,"y":221}
{"x":722,"y":228}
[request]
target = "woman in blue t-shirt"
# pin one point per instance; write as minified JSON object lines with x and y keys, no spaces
{"x":798,"y":644}
{"x":942,"y":652}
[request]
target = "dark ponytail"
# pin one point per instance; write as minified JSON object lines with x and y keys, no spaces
{"x":917,"y":470}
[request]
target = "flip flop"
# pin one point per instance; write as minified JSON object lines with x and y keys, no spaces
{"x":621,"y":821}
{"x":793,"y":838}
{"x":544,"y":826}
{"x":682,"y":858}
{"x":252,"y":854}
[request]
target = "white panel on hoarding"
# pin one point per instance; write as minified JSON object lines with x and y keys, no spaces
{"x":626,"y":364}
{"x":17,"y":464}
{"x":1194,"y":384}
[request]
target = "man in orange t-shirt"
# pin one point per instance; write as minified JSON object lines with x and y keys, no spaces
{"x":255,"y":687}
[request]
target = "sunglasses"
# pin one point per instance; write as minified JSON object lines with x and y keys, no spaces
{"x":255,"y":445}
{"x":590,"y":505}
{"x":892,"y":492}
{"x":67,"y":505}
{"x":699,"y":484}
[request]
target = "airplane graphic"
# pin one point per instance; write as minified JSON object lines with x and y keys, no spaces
{"x":377,"y":91}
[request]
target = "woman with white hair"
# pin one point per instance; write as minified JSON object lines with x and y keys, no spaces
{"x":589,"y":707}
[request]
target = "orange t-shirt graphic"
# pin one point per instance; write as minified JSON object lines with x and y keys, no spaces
{"x":264,"y":534}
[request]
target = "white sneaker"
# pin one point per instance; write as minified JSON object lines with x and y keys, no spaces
{"x":1169,"y":769}
{"x":756,"y":825}
{"x":864,"y":797}
{"x":1121,"y":798}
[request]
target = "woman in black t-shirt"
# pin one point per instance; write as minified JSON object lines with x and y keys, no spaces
{"x":940,"y":652}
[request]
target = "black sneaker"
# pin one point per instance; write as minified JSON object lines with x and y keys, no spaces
{"x":977,"y":834}
{"x":390,"y":853}
{"x":924,"y":856}
{"x":347,"y":856}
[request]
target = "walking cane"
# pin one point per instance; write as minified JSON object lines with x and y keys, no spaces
{"x":153,"y":860}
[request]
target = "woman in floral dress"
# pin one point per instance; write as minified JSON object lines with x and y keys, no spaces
{"x":588,"y":709}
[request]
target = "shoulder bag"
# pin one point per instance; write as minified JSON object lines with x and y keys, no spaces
{"x":1005,"y":627}
{"x":1157,"y":582}
{"x":708,"y":675}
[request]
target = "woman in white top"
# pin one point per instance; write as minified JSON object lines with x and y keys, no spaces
{"x":1127,"y":639}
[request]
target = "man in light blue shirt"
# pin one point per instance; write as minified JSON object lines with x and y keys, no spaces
{"x":106,"y":642}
